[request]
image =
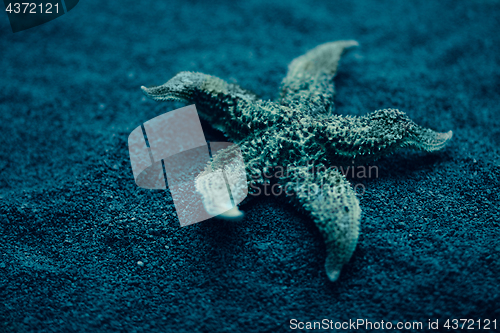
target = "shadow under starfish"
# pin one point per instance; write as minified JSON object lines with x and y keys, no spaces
{"x":300,"y":129}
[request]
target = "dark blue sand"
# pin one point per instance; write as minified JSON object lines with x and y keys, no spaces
{"x":73,"y":224}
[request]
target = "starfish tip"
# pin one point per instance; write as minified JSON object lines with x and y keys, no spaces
{"x":351,"y":43}
{"x":333,"y":275}
{"x":234,"y":214}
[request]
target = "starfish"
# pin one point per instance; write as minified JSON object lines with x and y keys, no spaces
{"x":300,"y":128}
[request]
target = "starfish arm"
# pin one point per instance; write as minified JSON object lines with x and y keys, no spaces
{"x":368,"y":138}
{"x":330,"y":201}
{"x":310,"y":78}
{"x":224,"y":174}
{"x":227,"y":107}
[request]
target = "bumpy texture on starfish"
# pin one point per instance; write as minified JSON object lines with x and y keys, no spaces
{"x":299,"y":129}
